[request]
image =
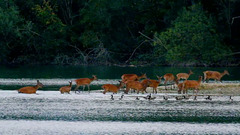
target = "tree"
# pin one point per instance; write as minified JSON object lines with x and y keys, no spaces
{"x":51,"y":39}
{"x":191,"y":39}
{"x":13,"y":31}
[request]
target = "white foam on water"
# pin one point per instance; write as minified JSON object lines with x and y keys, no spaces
{"x":53,"y":105}
{"x":98,"y":95}
{"x":23,"y":127}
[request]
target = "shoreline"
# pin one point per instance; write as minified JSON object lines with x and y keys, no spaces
{"x":205,"y":89}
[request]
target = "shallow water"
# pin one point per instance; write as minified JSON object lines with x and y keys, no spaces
{"x":49,"y":112}
{"x":98,"y":127}
{"x":95,"y":113}
{"x":52,"y":105}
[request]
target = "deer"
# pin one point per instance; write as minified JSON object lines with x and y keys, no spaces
{"x":180,"y":87}
{"x":169,"y":78}
{"x":184,"y":75}
{"x":214,"y":75}
{"x":85,"y":81}
{"x":31,"y":89}
{"x":112,"y":88}
{"x":132,"y":77}
{"x":139,"y":86}
{"x":191,"y":84}
{"x":154,"y":83}
{"x":66,"y":89}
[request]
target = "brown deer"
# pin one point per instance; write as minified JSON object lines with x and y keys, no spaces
{"x":66,"y":89}
{"x":112,"y":88}
{"x":191,"y":84}
{"x":180,"y":88}
{"x":169,"y":78}
{"x":84,"y":81}
{"x":214,"y":75}
{"x":184,"y":75}
{"x":153,"y":83}
{"x":132,"y":77}
{"x":30,"y":89}
{"x":136,"y":85}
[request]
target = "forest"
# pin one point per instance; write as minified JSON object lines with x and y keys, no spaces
{"x":120,"y":32}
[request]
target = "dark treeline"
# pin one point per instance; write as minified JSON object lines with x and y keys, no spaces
{"x":122,"y":32}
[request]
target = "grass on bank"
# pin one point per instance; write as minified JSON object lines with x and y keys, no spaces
{"x":208,"y":88}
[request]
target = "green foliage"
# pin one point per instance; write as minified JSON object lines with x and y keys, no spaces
{"x":12,"y":31}
{"x":118,"y":32}
{"x":51,"y":38}
{"x":191,"y":39}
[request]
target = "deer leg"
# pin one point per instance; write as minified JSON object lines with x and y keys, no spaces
{"x":179,"y":91}
{"x":137,"y":91}
{"x":195,"y":97}
{"x":165,"y":83}
{"x":144,"y":90}
{"x":204,"y":80}
{"x":155,"y":90}
{"x":88,"y":89}
{"x":76,"y":88}
{"x":83,"y":88}
{"x":196,"y":91}
{"x":127,"y":89}
{"x":220,"y":80}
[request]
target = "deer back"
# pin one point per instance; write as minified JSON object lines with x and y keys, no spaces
{"x":169,"y":77}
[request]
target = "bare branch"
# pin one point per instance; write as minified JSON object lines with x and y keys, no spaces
{"x":235,"y":18}
{"x":145,"y":36}
{"x":134,"y":52}
{"x":153,"y":39}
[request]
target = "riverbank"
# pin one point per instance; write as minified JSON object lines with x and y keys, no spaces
{"x":209,"y":88}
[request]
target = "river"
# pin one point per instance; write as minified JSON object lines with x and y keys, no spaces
{"x":49,"y":112}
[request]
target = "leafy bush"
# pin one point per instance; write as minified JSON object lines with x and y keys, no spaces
{"x":191,"y":39}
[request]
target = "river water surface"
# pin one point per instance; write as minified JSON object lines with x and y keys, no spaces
{"x":49,"y":112}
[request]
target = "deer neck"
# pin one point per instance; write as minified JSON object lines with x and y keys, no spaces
{"x":159,"y":79}
{"x":176,"y":81}
{"x":189,"y":73}
{"x":119,"y":86}
{"x":36,"y":87}
{"x":199,"y":80}
{"x":139,"y":77}
{"x":222,"y":74}
{"x":92,"y":79}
